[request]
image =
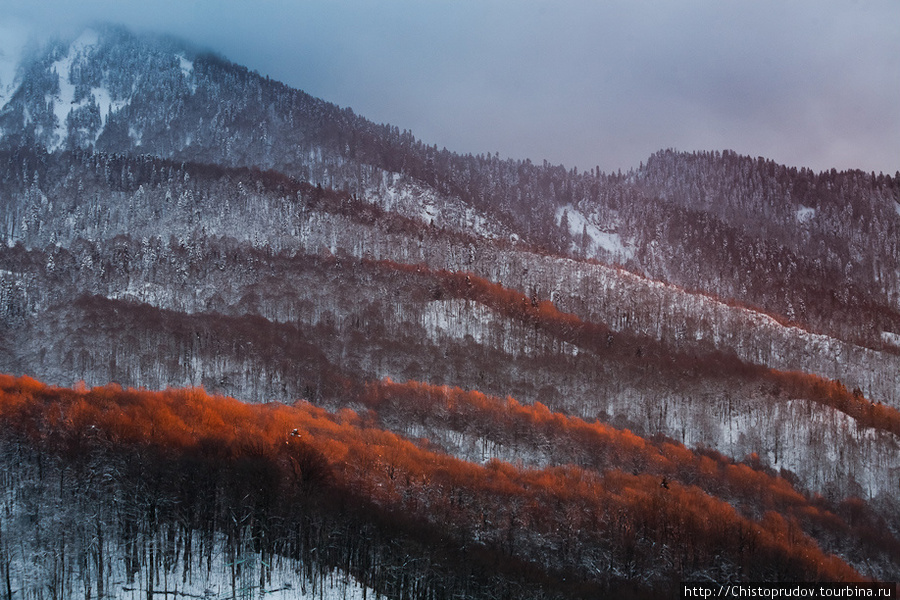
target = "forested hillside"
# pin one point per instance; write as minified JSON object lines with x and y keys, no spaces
{"x":172,"y":478}
{"x":456,"y":375}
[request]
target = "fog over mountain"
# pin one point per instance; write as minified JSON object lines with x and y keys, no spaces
{"x":253,"y":342}
{"x":811,"y":84}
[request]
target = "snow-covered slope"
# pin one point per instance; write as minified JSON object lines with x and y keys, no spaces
{"x":13,"y":39}
{"x":170,"y":219}
{"x":213,"y":578}
{"x":411,"y":199}
{"x":589,"y":238}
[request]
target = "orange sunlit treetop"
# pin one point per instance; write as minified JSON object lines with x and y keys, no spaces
{"x":577,"y":505}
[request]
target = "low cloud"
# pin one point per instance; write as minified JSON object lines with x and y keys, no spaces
{"x":807,"y":83}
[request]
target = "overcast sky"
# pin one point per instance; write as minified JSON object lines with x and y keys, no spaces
{"x":811,"y":83}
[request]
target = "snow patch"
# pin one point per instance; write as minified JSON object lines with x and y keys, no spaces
{"x":805,"y":214}
{"x":187,"y":70}
{"x":135,"y":135}
{"x":597,"y":238}
{"x":465,"y":319}
{"x":106,"y":103}
{"x":412,"y":200}
{"x":889,"y":337}
{"x":187,"y":66}
{"x":64,"y":101}
{"x":429,"y":212}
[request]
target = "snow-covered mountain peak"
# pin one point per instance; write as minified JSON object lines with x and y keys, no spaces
{"x":13,"y":40}
{"x":70,"y":92}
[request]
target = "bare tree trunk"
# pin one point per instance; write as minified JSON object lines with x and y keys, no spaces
{"x":6,"y":565}
{"x":99,"y":557}
{"x":150,"y":571}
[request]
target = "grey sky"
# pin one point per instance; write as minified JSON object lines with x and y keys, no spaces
{"x":581,"y":82}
